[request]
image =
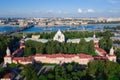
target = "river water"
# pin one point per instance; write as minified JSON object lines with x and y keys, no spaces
{"x":62,"y":28}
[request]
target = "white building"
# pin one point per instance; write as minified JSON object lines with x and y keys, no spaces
{"x":8,"y":58}
{"x":111,"y":56}
{"x":73,"y":40}
{"x":96,"y":40}
{"x":59,"y":36}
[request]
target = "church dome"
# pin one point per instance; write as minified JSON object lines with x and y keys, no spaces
{"x":59,"y":36}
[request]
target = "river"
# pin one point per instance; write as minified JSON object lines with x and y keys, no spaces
{"x":62,"y":28}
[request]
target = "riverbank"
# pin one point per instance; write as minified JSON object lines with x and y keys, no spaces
{"x":9,"y":25}
{"x":62,"y":25}
{"x":88,"y":27}
{"x":77,"y":25}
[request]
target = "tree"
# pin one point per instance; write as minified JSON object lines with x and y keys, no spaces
{"x":50,"y":76}
{"x":42,"y":77}
{"x":83,"y":46}
{"x":30,"y":73}
{"x":4,"y":43}
{"x":69,"y":67}
{"x":101,"y":70}
{"x":53,"y":47}
{"x":106,"y":42}
{"x":28,"y":51}
{"x":117,"y":52}
{"x":91,"y":49}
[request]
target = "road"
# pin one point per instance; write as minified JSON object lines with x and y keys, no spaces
{"x":43,"y":69}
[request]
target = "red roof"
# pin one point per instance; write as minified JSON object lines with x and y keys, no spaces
{"x":100,"y":58}
{"x":84,"y":56}
{"x":23,"y":59}
{"x":56,"y":55}
{"x":22,"y":44}
{"x":8,"y":75}
{"x":64,"y":55}
{"x":111,"y":55}
{"x":96,"y":44}
{"x":7,"y":56}
{"x":16,"y":52}
{"x":102,"y":51}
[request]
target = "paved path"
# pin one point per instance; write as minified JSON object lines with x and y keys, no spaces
{"x":44,"y":69}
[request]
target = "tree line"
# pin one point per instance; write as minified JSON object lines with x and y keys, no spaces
{"x":105,"y":42}
{"x":53,"y":47}
{"x":97,"y":70}
{"x":4,"y":42}
{"x":7,"y":41}
{"x":68,"y":34}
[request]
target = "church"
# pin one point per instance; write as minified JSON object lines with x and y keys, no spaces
{"x":59,"y":36}
{"x":59,"y":58}
{"x":102,"y":54}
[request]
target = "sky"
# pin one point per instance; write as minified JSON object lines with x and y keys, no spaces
{"x":59,"y":8}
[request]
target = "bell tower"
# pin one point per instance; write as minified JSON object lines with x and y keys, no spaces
{"x":96,"y":44}
{"x":111,"y":51}
{"x":111,"y":56}
{"x":8,"y":58}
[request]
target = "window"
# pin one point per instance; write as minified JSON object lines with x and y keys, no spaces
{"x":58,"y":36}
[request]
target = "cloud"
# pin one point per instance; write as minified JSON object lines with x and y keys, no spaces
{"x":85,"y":11}
{"x":80,"y":10}
{"x":90,"y":11}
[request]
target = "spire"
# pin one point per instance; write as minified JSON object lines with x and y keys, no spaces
{"x":112,"y":51}
{"x":23,"y":36}
{"x":94,"y":36}
{"x":8,"y":53}
{"x":59,"y":31}
{"x":96,"y":41}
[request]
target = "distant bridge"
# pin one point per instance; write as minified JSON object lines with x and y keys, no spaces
{"x":17,"y":30}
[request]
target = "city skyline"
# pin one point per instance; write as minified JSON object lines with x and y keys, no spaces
{"x":59,"y":8}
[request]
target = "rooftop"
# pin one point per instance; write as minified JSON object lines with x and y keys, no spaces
{"x":80,"y":55}
{"x":102,"y":51}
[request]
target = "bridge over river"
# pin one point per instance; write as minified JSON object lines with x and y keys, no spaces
{"x":17,"y":30}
